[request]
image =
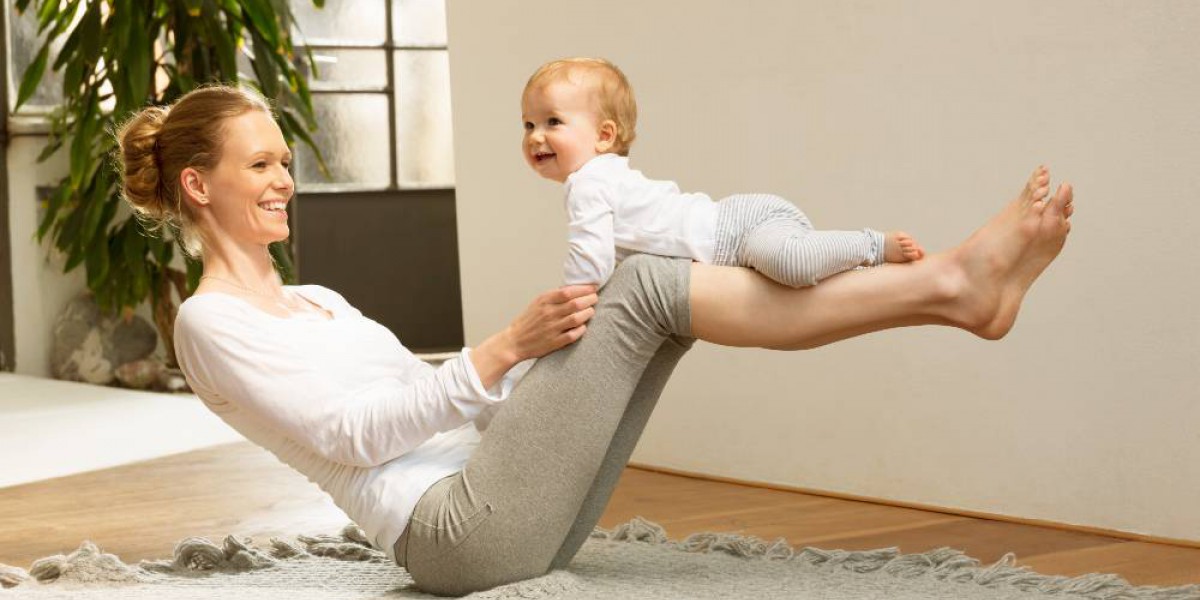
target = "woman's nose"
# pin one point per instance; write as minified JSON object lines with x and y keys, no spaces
{"x":285,"y":180}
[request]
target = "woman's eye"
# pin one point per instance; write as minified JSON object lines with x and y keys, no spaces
{"x":260,"y":165}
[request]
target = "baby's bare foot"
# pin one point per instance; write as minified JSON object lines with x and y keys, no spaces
{"x":899,"y":247}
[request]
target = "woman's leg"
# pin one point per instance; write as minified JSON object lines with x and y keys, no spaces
{"x":977,"y":286}
{"x":637,"y":413}
{"x":506,"y":516}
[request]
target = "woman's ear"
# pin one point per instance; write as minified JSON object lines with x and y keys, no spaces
{"x":608,"y":136}
{"x":195,"y":190}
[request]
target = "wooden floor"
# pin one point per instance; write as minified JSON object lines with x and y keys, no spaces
{"x":140,"y":511}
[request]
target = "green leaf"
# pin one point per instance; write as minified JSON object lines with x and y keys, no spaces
{"x":195,"y":269}
{"x":141,"y":283}
{"x":263,"y":21}
{"x":89,"y":32}
{"x":65,"y":18}
{"x":137,"y":64}
{"x":233,"y":9}
{"x":224,"y":46}
{"x":133,"y":243}
{"x":155,"y":245}
{"x":33,"y":75}
{"x":53,"y":204}
{"x":46,"y":14}
{"x":81,"y":157}
{"x":93,"y":209}
{"x":281,"y":252}
{"x":97,"y":264}
{"x":70,"y":46}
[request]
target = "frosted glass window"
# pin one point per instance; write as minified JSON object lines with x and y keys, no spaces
{"x":419,"y":22}
{"x":354,"y":21}
{"x":349,"y":69}
{"x":425,"y":145}
{"x":24,"y":44}
{"x":353,"y":138}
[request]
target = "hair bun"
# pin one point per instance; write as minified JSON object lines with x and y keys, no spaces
{"x":142,"y":176}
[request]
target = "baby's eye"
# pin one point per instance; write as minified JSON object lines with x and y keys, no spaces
{"x":528,"y":126}
{"x":555,"y":121}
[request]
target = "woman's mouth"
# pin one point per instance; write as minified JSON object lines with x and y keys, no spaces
{"x":277,"y":207}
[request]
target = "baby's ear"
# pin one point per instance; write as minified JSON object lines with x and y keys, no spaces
{"x":608,"y":136}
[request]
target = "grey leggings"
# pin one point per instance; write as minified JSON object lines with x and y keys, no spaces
{"x":538,"y":483}
{"x":772,"y":236}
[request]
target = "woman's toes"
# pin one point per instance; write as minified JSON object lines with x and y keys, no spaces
{"x":1041,"y":193}
{"x":1062,"y":198}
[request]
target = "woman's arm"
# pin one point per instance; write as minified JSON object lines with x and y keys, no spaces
{"x":553,"y":320}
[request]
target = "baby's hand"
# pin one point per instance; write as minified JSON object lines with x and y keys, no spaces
{"x":899,"y":247}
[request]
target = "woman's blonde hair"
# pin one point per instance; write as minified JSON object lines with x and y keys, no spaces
{"x":611,"y":90}
{"x":158,"y":143}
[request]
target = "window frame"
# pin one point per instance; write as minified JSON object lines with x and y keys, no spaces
{"x":389,"y":47}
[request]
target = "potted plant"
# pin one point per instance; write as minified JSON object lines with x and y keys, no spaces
{"x":118,"y":56}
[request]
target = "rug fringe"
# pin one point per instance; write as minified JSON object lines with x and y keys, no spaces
{"x":194,"y":556}
{"x":197,"y":556}
{"x":942,"y":563}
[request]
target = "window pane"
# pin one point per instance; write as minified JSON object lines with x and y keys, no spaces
{"x":419,"y":22}
{"x":353,"y":138}
{"x":355,"y":21}
{"x":349,"y":69}
{"x":423,"y":129}
{"x":23,"y":48}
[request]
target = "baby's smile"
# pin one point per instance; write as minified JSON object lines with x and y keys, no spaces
{"x":542,"y":156}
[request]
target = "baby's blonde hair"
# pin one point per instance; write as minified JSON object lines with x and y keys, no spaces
{"x":610,"y":89}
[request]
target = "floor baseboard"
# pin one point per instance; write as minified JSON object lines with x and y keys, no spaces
{"x":1127,"y":535}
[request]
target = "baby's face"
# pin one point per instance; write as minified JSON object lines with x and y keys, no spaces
{"x":561,"y":129}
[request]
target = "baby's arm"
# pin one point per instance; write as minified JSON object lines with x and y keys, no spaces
{"x":591,"y":249}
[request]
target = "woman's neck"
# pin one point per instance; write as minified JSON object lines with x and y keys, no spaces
{"x":247,"y":267}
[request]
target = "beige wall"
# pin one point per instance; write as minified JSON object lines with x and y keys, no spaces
{"x":921,"y":115}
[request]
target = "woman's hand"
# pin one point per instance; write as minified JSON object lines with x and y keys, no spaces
{"x":553,"y":320}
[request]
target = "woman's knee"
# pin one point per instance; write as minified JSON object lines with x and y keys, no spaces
{"x":654,"y":288}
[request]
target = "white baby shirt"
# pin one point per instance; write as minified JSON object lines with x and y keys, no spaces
{"x":614,"y":211}
{"x":341,"y":400}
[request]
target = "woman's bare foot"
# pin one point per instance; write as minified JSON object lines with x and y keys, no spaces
{"x":899,"y":247}
{"x":995,"y":267}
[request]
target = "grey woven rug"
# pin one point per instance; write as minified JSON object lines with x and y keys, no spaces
{"x":635,"y":560}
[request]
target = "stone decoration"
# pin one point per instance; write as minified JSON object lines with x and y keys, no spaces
{"x":140,"y":374}
{"x":89,"y":345}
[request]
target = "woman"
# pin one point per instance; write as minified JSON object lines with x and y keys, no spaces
{"x":396,"y":442}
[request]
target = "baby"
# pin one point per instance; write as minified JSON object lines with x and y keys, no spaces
{"x":580,"y":119}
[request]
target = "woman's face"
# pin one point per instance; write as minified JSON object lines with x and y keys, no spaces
{"x":250,"y":187}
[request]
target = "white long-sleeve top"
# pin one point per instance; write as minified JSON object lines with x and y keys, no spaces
{"x":614,"y":211}
{"x":340,"y":400}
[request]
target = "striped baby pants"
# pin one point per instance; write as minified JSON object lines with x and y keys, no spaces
{"x":772,"y":236}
